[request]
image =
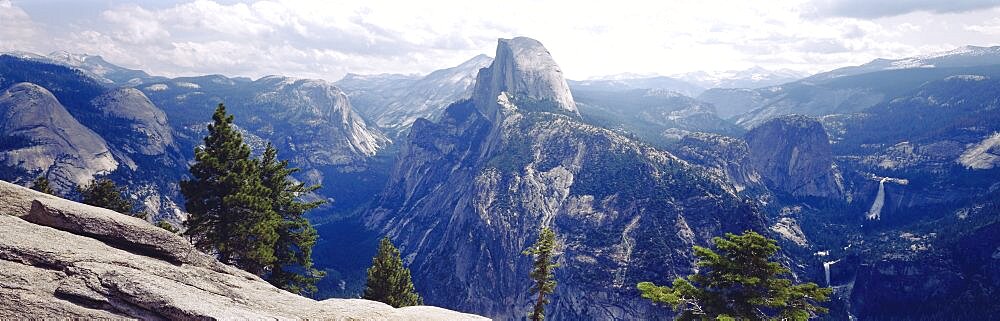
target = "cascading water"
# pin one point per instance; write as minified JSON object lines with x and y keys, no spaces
{"x":876,"y":210}
{"x":826,"y":270}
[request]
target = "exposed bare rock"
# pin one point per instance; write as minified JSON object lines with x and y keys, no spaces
{"x":983,"y":155}
{"x":147,"y":133}
{"x":40,"y":135}
{"x":119,"y":230}
{"x":793,"y":155}
{"x":525,"y":70}
{"x":67,"y":260}
{"x":726,"y":156}
{"x":328,"y":130}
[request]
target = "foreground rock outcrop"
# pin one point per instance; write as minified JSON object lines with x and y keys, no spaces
{"x":61,"y":259}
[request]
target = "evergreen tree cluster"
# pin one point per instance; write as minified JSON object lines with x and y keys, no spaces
{"x":246,"y":210}
{"x":389,"y":281}
{"x":740,"y":282}
{"x":41,"y":184}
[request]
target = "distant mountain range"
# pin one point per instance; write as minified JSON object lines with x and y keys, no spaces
{"x":754,"y":77}
{"x":880,"y":180}
{"x":692,"y":83}
{"x":394,"y":102}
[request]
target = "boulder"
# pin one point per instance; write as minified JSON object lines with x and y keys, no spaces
{"x":122,"y":231}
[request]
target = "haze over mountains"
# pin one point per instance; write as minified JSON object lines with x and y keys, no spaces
{"x":462,"y":166}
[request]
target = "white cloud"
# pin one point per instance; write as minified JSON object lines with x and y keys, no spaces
{"x":17,"y":30}
{"x":878,"y":9}
{"x":991,"y":27}
{"x":323,"y":39}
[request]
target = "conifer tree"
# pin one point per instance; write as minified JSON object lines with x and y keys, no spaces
{"x":292,"y":269}
{"x":542,"y":272}
{"x":41,"y":184}
{"x":104,"y":193}
{"x":230,"y":212}
{"x":166,"y":226}
{"x":740,"y":282}
{"x":388,"y":280}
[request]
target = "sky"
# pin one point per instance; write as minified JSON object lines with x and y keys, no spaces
{"x":328,"y":39}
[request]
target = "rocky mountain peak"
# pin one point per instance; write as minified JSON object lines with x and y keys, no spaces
{"x":96,"y":67}
{"x":479,"y":61}
{"x":525,"y":70}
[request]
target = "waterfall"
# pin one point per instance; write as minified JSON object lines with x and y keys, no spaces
{"x":876,"y":210}
{"x":826,"y":270}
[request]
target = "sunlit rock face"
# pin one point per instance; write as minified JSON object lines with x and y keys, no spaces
{"x":40,"y":136}
{"x":525,"y":70}
{"x":326,"y":128}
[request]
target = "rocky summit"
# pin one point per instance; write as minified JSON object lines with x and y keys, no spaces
{"x":61,"y":259}
{"x":524,"y":70}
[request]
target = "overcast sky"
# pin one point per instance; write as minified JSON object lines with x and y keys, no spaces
{"x":327,"y":39}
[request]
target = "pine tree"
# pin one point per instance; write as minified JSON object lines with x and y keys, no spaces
{"x":543,"y":271}
{"x":230,"y":212}
{"x":41,"y":184}
{"x":104,"y":193}
{"x":293,"y":268}
{"x":388,"y":280}
{"x":740,"y":282}
{"x":166,"y":226}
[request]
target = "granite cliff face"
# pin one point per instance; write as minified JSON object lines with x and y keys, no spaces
{"x":525,"y":71}
{"x":61,"y":259}
{"x":41,"y":137}
{"x":148,"y":133}
{"x":793,"y":155}
{"x":469,"y":193}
